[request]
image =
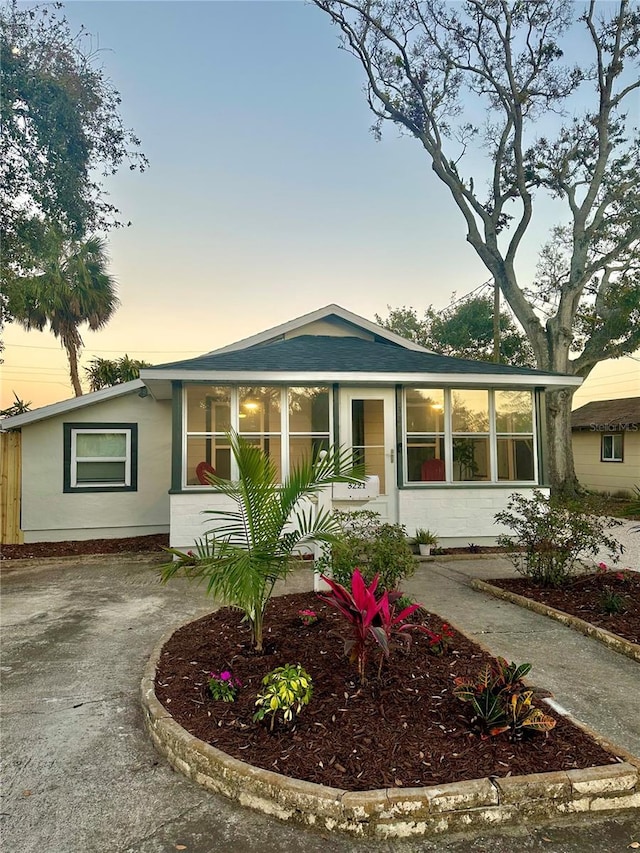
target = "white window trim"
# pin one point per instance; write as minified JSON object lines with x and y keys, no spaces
{"x":613,"y":457}
{"x":284,"y":434}
{"x":73,"y":473}
{"x":449,"y":435}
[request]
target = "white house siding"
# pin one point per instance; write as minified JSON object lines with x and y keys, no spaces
{"x":50,"y":515}
{"x":609,"y":477}
{"x":189,"y":521}
{"x":458,"y":516}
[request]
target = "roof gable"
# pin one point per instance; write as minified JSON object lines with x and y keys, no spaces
{"x":330,"y":320}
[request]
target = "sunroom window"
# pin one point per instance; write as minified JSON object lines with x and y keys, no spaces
{"x":514,"y":431}
{"x":468,"y":435}
{"x":308,"y":410}
{"x":470,"y":431}
{"x":208,"y":411}
{"x":425,"y":435}
{"x":286,"y":423}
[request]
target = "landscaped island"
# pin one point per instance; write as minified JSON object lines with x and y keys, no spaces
{"x":404,"y":729}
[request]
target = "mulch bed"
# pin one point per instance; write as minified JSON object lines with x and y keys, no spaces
{"x":404,"y":730}
{"x":582,"y":597}
{"x":132,"y":544}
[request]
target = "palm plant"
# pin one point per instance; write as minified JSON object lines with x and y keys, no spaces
{"x":105,"y":372}
{"x":70,"y":287}
{"x":252,"y":545}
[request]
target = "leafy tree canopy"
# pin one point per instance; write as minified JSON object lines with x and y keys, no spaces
{"x":61,"y":132}
{"x":463,"y":330}
{"x":524,"y":107}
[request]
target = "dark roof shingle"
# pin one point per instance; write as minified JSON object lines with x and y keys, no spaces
{"x":607,"y":413}
{"x":328,"y":354}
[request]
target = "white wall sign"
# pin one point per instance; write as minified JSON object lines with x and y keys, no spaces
{"x":364,"y":490}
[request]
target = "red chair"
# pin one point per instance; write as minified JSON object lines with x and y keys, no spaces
{"x":432,"y":471}
{"x":202,"y":469}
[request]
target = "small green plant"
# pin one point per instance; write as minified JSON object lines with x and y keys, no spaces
{"x":499,"y":701}
{"x":611,"y":602}
{"x":224,"y":685}
{"x":550,"y":537}
{"x":425,"y":537}
{"x":404,"y":600}
{"x":365,"y":542}
{"x":285,"y":692}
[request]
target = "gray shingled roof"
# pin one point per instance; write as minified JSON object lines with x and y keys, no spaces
{"x":612,"y":412}
{"x":327,"y":354}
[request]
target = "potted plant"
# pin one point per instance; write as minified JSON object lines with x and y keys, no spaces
{"x":425,"y":539}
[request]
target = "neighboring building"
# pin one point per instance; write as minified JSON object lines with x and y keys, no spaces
{"x":447,"y":439}
{"x":606,"y":445}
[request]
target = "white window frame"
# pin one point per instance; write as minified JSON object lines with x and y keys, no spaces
{"x":284,"y":433}
{"x":613,"y":457}
{"x":449,"y":435}
{"x":73,"y":460}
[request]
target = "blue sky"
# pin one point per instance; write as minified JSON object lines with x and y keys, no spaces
{"x":266,"y":196}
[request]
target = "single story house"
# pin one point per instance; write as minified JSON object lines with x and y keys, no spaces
{"x":445,"y":441}
{"x":606,"y":445}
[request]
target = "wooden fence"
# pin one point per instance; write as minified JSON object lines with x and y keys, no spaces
{"x":10,"y":488}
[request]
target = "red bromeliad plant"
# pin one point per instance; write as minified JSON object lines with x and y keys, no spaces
{"x":369,"y":616}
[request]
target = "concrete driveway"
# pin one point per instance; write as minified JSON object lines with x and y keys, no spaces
{"x":79,"y":773}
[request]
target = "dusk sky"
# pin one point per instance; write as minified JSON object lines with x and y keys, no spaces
{"x":266,"y":197}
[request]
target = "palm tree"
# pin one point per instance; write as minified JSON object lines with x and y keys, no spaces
{"x":105,"y":372}
{"x":70,"y":287}
{"x":242,"y":559}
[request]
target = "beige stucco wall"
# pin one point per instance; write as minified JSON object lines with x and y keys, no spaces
{"x":606,"y":476}
{"x":49,"y":515}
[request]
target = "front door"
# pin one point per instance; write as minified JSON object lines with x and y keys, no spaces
{"x":368,"y":427}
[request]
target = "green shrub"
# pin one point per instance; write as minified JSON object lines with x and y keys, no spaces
{"x":373,"y":546}
{"x":286,"y":690}
{"x":549,"y":537}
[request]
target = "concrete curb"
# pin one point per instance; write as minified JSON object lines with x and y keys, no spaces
{"x":388,"y":812}
{"x":618,"y":644}
{"x":7,"y":567}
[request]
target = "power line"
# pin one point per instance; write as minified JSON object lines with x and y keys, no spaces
{"x":117,"y":349}
{"x":40,"y":381}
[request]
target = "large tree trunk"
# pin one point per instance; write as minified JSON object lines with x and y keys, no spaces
{"x":562,"y":475}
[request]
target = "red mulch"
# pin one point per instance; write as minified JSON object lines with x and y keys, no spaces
{"x":406,"y":730}
{"x":132,"y":544}
{"x":582,"y":597}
